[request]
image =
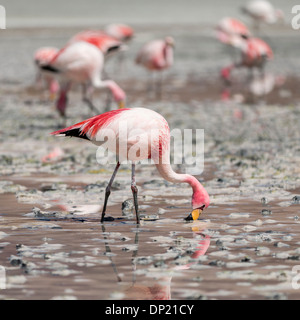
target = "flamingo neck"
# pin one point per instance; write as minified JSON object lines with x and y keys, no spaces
{"x":116,"y":91}
{"x":169,"y":174}
{"x":168,"y":55}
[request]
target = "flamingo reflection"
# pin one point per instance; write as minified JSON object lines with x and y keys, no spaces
{"x":160,"y":289}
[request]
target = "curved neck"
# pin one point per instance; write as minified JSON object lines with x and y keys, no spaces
{"x":116,"y":91}
{"x":169,"y":174}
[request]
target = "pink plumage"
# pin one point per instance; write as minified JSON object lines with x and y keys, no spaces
{"x":255,"y":51}
{"x":81,"y":62}
{"x":90,"y":126}
{"x":230,"y":31}
{"x":156,"y":54}
{"x":44,"y":56}
{"x":262,"y":11}
{"x":103,"y":41}
{"x":119,"y":31}
{"x":140,"y":127}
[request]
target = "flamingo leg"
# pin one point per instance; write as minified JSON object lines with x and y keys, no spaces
{"x":134,"y":190}
{"x":91,"y":105}
{"x":107,"y":190}
{"x":108,"y":102}
{"x":159,"y":85}
{"x":87,"y":98}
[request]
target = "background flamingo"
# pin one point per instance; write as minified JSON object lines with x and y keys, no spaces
{"x":119,"y":31}
{"x":254,"y":54}
{"x":43,"y":56}
{"x":157,"y":55}
{"x":262,"y":11}
{"x":82,"y":63}
{"x":150,"y":131}
{"x":103,"y":41}
{"x":231,"y":31}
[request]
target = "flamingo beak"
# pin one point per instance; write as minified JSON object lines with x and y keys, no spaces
{"x":52,"y":96}
{"x":194,"y":215}
{"x":121,"y":104}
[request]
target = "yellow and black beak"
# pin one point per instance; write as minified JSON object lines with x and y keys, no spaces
{"x":195,"y":214}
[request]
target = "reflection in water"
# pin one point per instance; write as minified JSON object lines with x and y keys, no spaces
{"x":160,"y":288}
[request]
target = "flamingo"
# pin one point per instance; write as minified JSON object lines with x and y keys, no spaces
{"x":103,"y":41}
{"x":254,"y":54}
{"x":43,"y":56}
{"x":149,"y":131}
{"x":262,"y":11}
{"x":231,"y":31}
{"x":156,"y":55}
{"x":119,"y":31}
{"x":82,"y":63}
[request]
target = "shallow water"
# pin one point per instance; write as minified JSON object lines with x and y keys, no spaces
{"x":236,"y":252}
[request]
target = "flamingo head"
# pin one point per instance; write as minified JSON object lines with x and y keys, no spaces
{"x":200,"y":200}
{"x":170,"y":41}
{"x":117,"y":92}
{"x":120,"y":97}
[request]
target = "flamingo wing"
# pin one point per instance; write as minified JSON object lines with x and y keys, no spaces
{"x":88,"y":129}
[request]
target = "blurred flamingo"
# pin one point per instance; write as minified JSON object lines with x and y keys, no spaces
{"x":122,"y":32}
{"x":148,"y":137}
{"x":262,"y":11}
{"x":81,"y":63}
{"x":43,"y":56}
{"x":231,"y":31}
{"x":53,"y":156}
{"x":254,"y":54}
{"x":103,"y":41}
{"x":157,"y":55}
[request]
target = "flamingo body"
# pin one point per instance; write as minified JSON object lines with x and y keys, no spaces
{"x":119,"y":31}
{"x":262,"y":11}
{"x":156,"y":54}
{"x":103,"y":41}
{"x":230,"y":30}
{"x":81,"y":62}
{"x":256,"y":52}
{"x":43,"y":56}
{"x":145,"y":128}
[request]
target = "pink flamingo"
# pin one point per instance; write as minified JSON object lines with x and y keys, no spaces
{"x":103,"y":41}
{"x":231,"y":31}
{"x":254,"y":54}
{"x":156,"y":55}
{"x":43,"y":56}
{"x":119,"y":31}
{"x":82,"y":63}
{"x":150,"y":132}
{"x":262,"y":11}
